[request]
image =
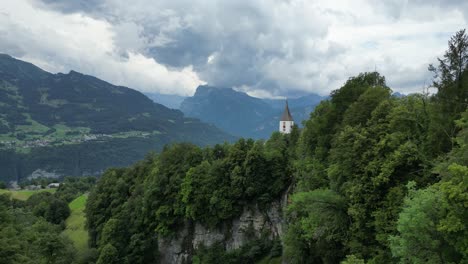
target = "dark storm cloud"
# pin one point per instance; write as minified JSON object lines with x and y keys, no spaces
{"x":189,"y":48}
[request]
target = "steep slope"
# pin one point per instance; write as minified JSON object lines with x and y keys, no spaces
{"x":169,"y":100}
{"x":75,"y":124}
{"x":232,"y":111}
{"x":242,"y":115}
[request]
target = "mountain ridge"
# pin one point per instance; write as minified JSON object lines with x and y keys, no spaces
{"x":61,"y":112}
{"x":242,"y":115}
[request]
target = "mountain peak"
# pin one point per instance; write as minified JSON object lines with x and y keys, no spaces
{"x":5,"y":56}
{"x":15,"y":67}
{"x":72,"y":72}
{"x":241,"y":114}
{"x":204,"y":90}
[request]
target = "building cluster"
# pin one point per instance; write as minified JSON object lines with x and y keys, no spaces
{"x":43,"y":142}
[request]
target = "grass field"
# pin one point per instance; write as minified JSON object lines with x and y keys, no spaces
{"x":24,"y":194}
{"x":75,"y":225}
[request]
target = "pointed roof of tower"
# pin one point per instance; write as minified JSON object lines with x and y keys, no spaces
{"x":286,"y":114}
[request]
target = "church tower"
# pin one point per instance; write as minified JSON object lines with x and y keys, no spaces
{"x":286,"y":122}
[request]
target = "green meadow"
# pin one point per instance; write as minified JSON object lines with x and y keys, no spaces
{"x":75,"y":225}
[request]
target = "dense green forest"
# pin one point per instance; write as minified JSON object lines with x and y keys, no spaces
{"x":131,"y":207}
{"x":31,"y":230}
{"x":382,"y":179}
{"x":374,"y":179}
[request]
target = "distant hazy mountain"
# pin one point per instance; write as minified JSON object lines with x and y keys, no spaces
{"x":304,"y":101}
{"x":168,"y":100}
{"x":74,"y":124}
{"x":398,"y":94}
{"x":242,"y":115}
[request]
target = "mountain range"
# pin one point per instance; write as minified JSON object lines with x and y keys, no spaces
{"x":76,"y":124}
{"x":242,"y":115}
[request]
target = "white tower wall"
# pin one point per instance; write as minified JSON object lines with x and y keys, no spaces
{"x":285,"y":127}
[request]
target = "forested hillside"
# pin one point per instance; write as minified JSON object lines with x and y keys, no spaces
{"x":382,"y":179}
{"x":75,"y":124}
{"x":157,"y":196}
{"x":372,"y":178}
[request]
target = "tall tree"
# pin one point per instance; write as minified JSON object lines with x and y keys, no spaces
{"x":451,"y":81}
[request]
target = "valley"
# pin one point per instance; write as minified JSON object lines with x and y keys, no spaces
{"x":61,"y":137}
{"x":46,"y":117}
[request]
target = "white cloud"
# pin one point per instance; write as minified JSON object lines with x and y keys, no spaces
{"x":399,"y":49}
{"x":61,"y":42}
{"x":257,"y":93}
{"x":270,"y":48}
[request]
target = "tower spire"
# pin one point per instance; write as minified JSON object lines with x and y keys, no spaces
{"x":286,"y":122}
{"x":286,"y":114}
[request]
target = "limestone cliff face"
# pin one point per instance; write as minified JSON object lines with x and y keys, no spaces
{"x":233,"y":234}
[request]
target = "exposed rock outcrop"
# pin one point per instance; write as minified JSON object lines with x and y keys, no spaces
{"x":233,"y":234}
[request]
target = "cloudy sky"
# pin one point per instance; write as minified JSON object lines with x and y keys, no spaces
{"x":268,"y":48}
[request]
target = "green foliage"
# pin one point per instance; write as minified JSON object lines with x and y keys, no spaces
{"x":352,"y":259}
{"x":23,"y":195}
{"x":451,"y":75}
{"x":25,"y":238}
{"x":251,"y":252}
{"x":207,"y":197}
{"x":451,"y":82}
{"x":360,"y":111}
{"x":367,"y":159}
{"x":33,"y":228}
{"x":318,"y":226}
{"x":376,"y":179}
{"x":131,"y":207}
{"x":353,"y":89}
{"x":109,"y":255}
{"x":75,"y":227}
{"x":432,"y":225}
{"x":72,"y":187}
{"x":45,"y":204}
{"x":57,"y":211}
{"x":163,"y":197}
{"x":363,"y":147}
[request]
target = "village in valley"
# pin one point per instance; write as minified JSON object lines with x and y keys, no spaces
{"x":24,"y":145}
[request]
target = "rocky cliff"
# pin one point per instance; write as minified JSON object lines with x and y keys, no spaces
{"x":233,"y":234}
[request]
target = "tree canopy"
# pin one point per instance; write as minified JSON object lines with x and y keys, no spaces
{"x":371,"y":178}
